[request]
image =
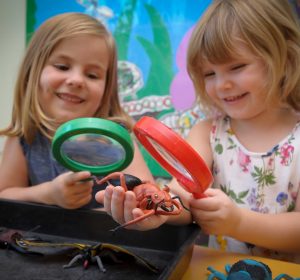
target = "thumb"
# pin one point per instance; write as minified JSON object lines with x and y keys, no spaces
{"x":74,"y":177}
{"x":211,"y":192}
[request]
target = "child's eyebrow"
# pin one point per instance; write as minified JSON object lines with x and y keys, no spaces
{"x":99,"y":66}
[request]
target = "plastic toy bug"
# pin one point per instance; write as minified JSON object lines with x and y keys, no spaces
{"x":246,"y":269}
{"x":151,"y":199}
{"x":86,"y":253}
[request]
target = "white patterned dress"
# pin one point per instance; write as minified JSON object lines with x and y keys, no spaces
{"x":263,"y":182}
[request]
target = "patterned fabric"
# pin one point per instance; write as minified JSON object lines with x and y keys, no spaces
{"x":263,"y":182}
{"x":42,"y":167}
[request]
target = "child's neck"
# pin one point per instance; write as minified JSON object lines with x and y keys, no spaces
{"x":263,"y":132}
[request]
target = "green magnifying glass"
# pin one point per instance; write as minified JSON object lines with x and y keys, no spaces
{"x":93,"y":144}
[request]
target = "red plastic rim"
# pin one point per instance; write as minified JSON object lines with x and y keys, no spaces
{"x":158,"y":138}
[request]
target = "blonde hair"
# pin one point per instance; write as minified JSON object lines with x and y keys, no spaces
{"x":269,"y":28}
{"x":28,"y":116}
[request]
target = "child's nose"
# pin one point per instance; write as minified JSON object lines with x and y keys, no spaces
{"x":224,"y":82}
{"x":75,"y":79}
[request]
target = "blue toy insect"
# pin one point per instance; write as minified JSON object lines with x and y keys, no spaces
{"x":247,"y":269}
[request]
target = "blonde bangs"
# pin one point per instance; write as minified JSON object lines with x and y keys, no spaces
{"x":217,"y":42}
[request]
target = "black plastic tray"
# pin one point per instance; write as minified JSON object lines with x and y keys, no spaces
{"x":168,"y":247}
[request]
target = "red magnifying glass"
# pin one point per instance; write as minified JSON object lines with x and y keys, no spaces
{"x":175,"y":155}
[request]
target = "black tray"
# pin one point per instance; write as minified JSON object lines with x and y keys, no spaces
{"x":168,"y":247}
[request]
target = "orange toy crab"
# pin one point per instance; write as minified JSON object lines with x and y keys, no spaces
{"x":151,"y":199}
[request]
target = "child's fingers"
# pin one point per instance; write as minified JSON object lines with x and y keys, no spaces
{"x":107,"y":198}
{"x":82,"y":200}
{"x":203,"y":216}
{"x":210,"y":203}
{"x":117,"y":204}
{"x":129,"y":205}
{"x":83,"y":189}
{"x":205,"y":204}
{"x":149,"y":223}
{"x":99,"y":196}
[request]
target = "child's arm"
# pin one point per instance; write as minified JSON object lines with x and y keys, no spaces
{"x":65,"y":190}
{"x":217,"y":214}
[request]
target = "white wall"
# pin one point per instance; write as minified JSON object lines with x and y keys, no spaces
{"x":12,"y":45}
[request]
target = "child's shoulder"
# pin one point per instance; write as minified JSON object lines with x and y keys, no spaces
{"x":201,"y":128}
{"x":204,"y":124}
{"x":204,"y":128}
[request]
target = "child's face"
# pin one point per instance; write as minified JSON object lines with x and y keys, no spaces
{"x":238,"y":86}
{"x":73,"y":80}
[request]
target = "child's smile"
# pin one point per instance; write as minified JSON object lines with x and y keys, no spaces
{"x":70,"y":98}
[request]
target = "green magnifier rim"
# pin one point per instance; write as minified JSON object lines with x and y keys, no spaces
{"x":94,"y":126}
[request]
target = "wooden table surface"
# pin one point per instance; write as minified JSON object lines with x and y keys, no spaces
{"x":203,"y":257}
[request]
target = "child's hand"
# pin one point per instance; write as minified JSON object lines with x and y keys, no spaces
{"x":68,"y":191}
{"x":121,"y":206}
{"x":216,"y":214}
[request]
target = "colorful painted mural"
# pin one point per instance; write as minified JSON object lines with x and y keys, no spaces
{"x":152,"y":38}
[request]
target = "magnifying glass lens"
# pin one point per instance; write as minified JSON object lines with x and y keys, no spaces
{"x":93,"y":150}
{"x":171,"y":159}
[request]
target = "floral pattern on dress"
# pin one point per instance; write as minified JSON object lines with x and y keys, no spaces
{"x":243,"y":160}
{"x":264,"y":182}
